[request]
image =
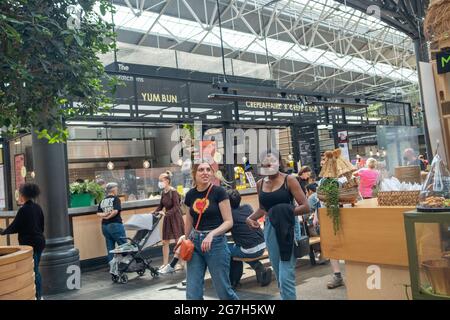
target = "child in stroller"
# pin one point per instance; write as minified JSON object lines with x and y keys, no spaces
{"x":129,"y":256}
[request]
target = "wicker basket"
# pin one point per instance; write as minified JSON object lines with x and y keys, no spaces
{"x":398,"y":198}
{"x":346,"y":195}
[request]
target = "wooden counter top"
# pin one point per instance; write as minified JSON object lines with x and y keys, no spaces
{"x":368,"y":233}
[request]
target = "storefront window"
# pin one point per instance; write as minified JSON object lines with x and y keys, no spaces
{"x":142,"y":184}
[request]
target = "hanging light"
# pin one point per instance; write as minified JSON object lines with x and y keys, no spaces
{"x":110,"y":164}
{"x":378,"y":153}
{"x":145,"y":163}
{"x":371,"y":153}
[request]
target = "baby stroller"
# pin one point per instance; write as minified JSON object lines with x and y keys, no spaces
{"x":130,"y":256}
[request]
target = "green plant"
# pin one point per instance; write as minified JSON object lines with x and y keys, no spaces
{"x":330,"y":187}
{"x":49,"y":57}
{"x":90,"y":187}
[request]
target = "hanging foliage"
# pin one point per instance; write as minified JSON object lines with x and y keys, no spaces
{"x":49,"y":58}
{"x":330,"y":187}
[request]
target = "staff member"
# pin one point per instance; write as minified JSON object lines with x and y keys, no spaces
{"x":29,"y":224}
{"x":109,"y":210}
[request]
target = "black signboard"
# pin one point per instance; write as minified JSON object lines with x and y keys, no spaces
{"x":443,"y":62}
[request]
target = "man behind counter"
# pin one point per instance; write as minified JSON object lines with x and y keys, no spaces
{"x":411,"y":159}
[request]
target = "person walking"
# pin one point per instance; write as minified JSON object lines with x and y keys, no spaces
{"x":276,"y":193}
{"x":173,"y":225}
{"x":29,"y":224}
{"x":207,"y":221}
{"x":112,"y":227}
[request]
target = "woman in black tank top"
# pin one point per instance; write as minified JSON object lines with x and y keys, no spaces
{"x":277,"y":188}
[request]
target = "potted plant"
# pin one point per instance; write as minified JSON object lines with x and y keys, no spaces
{"x":85,"y":194}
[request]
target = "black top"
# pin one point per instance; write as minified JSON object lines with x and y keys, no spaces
{"x":269,"y":199}
{"x":108,"y":204}
{"x":29,"y":224}
{"x":282,"y":218}
{"x":243,"y":235}
{"x":212,"y":218}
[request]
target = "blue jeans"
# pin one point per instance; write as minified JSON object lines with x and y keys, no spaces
{"x":236,"y":252}
{"x":113,"y":233}
{"x":284,"y":270}
{"x":218,"y":262}
{"x":37,"y":274}
{"x":237,"y":267}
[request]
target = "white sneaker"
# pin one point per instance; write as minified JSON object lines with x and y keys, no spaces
{"x":167,"y":269}
{"x":162,"y":267}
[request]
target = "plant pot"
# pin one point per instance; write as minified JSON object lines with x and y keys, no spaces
{"x":438,"y":273}
{"x":17,"y":273}
{"x":81,"y":200}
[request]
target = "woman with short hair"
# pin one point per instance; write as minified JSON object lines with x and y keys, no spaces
{"x":368,"y":178}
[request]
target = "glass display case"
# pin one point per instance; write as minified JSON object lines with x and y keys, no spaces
{"x":401,"y":146}
{"x":428,"y":242}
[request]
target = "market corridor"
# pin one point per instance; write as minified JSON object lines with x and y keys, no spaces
{"x":311,"y":285}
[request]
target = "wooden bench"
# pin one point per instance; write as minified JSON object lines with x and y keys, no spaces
{"x":265,"y":255}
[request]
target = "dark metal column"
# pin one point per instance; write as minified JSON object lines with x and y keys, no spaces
{"x":9,"y":194}
{"x":50,"y":165}
{"x":422,"y":56}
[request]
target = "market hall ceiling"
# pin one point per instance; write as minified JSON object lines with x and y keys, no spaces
{"x":317,"y":45}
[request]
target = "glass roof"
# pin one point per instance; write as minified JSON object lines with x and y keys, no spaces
{"x":187,"y":30}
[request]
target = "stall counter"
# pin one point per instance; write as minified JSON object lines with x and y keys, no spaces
{"x":372,"y":242}
{"x":86,"y":226}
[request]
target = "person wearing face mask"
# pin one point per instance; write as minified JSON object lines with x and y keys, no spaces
{"x":173,"y":225}
{"x":276,"y":193}
{"x":208,"y":219}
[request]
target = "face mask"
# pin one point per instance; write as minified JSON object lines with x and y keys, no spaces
{"x":161,"y":185}
{"x":269,"y":171}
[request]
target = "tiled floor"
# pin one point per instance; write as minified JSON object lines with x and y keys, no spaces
{"x":311,"y":284}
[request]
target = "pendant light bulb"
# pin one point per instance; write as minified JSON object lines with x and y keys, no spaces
{"x":110,"y":165}
{"x":146,"y":164}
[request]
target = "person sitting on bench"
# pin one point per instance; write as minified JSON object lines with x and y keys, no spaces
{"x":248,"y":243}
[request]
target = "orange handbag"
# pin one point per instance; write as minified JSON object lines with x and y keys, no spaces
{"x":187,"y":246}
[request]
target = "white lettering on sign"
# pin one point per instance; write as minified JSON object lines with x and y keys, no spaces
{"x":158,"y":97}
{"x":123,"y":67}
{"x":374,"y":280}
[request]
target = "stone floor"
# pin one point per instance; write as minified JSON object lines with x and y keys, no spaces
{"x":97,"y":285}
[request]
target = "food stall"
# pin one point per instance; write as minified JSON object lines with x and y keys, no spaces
{"x":382,"y":261}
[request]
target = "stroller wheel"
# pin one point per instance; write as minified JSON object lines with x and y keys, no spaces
{"x":154,"y":273}
{"x":123,"y":278}
{"x":114,"y":278}
{"x":141,"y":273}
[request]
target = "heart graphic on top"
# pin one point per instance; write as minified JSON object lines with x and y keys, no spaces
{"x":200,"y":205}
